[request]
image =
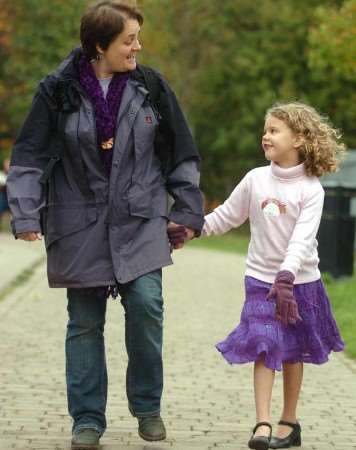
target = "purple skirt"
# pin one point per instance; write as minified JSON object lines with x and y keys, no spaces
{"x":259,"y":334}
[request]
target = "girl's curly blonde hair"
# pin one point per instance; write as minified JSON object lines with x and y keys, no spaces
{"x":322,"y":148}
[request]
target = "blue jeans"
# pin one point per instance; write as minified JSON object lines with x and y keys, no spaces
{"x":85,"y":351}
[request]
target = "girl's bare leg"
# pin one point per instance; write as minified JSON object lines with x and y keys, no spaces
{"x":263,"y":384}
{"x":292,"y":382}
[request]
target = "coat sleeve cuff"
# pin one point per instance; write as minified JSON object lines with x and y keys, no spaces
{"x":25,"y":225}
{"x":193,"y":221}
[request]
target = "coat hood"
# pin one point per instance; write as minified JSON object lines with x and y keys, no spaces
{"x":61,"y":88}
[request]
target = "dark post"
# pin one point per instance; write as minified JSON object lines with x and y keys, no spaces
{"x":337,"y":231}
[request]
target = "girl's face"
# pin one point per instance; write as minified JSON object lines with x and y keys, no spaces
{"x":279,"y":143}
{"x":120,"y":56}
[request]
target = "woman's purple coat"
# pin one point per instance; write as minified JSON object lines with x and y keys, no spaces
{"x":120,"y":231}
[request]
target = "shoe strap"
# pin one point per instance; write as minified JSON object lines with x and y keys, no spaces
{"x":289,"y":424}
{"x":261,"y":424}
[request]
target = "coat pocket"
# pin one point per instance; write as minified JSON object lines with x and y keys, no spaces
{"x":141,"y":205}
{"x":148,"y":204}
{"x":61,"y":221}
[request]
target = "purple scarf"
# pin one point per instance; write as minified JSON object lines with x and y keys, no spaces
{"x":106,"y":110}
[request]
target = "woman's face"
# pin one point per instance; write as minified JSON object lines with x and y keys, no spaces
{"x":120,"y":56}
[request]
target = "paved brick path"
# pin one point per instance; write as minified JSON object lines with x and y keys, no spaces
{"x":17,"y":256}
{"x":207,"y":403}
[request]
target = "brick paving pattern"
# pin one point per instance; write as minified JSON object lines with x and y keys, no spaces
{"x":207,"y":403}
{"x":17,"y":256}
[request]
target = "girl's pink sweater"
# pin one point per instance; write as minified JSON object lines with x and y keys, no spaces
{"x":284,"y":207}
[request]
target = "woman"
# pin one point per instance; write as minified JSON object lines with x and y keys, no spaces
{"x":85,"y":169}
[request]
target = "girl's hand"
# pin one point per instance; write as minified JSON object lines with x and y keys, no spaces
{"x":30,"y":236}
{"x":286,"y":305}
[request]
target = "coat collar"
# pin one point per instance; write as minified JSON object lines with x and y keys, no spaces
{"x":133,"y":89}
{"x":62,"y":86}
{"x":132,"y":100}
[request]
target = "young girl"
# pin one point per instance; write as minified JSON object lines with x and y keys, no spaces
{"x":286,"y":319}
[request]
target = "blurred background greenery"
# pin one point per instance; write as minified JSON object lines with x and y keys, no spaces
{"x":227,"y":60}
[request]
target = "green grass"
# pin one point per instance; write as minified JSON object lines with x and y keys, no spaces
{"x":342,"y":292}
{"x":5,"y":223}
{"x":234,"y":242}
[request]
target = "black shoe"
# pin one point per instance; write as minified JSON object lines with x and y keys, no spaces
{"x":260,"y":442}
{"x":151,"y":428}
{"x":294,"y":439}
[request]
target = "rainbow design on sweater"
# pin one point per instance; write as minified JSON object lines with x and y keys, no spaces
{"x":273,"y":207}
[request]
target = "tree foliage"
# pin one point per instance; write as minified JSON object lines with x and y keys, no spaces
{"x":332,"y":65}
{"x":42,"y":34}
{"x":5,"y":30}
{"x":333,"y":41}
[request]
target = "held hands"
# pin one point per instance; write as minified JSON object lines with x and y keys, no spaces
{"x":178,"y":235}
{"x":282,"y":291}
{"x":30,"y":236}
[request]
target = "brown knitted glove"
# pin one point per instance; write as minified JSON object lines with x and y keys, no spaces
{"x":176,"y":235}
{"x":282,"y":291}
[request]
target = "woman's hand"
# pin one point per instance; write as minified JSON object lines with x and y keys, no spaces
{"x":30,"y":236}
{"x":178,"y":235}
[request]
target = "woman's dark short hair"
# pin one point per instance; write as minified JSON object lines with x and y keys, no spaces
{"x":103,"y":22}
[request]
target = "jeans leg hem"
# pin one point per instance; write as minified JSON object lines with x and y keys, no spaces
{"x":88,"y":425}
{"x":146,"y":414}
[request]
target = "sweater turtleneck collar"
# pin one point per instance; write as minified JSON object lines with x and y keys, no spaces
{"x":289,"y":174}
